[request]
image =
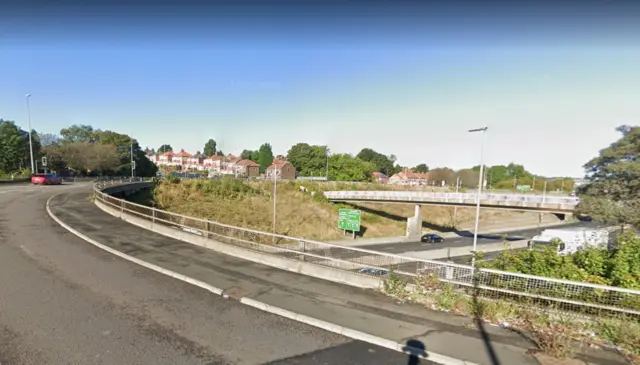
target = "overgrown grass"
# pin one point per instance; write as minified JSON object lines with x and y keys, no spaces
{"x":24,"y":173}
{"x":299,"y":213}
{"x":555,"y":332}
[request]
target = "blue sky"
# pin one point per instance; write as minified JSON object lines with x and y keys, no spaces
{"x":410,"y":82}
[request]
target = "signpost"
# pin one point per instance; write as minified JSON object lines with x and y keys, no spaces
{"x":44,"y":164}
{"x":523,"y":187}
{"x":349,"y":220}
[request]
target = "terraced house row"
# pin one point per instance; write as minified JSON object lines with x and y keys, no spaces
{"x":221,"y":165}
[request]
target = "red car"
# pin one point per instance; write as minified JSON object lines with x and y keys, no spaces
{"x":46,"y":179}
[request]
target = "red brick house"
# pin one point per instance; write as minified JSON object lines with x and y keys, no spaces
{"x":284,"y":170}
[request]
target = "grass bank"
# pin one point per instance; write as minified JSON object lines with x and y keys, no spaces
{"x":555,"y":332}
{"x":299,"y":213}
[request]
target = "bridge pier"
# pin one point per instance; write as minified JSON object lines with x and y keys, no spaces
{"x":564,"y":216}
{"x":414,"y":224}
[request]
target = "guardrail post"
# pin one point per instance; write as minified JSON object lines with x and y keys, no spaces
{"x":153,"y":216}
{"x":303,"y":246}
{"x":121,"y":208}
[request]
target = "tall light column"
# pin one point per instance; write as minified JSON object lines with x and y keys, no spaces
{"x":480,"y":183}
{"x":275,"y":192}
{"x":27,"y":96}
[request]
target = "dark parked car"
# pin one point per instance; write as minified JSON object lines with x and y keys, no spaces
{"x":373,"y":272}
{"x":431,"y":238}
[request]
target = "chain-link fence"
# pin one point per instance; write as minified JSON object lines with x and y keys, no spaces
{"x":560,"y":294}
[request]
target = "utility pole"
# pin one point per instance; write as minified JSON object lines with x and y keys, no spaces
{"x":480,"y":178}
{"x":455,"y":208}
{"x":27,"y":96}
{"x":533,"y":185}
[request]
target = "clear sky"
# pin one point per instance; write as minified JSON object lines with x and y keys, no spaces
{"x":550,"y":83}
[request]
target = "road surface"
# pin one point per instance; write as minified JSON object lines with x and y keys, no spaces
{"x":63,"y":301}
{"x":465,"y":240}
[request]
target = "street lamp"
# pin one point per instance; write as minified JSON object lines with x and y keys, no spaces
{"x":275,"y":197}
{"x":326,"y":152}
{"x":133,"y":163}
{"x":475,"y":230}
{"x":27,"y":96}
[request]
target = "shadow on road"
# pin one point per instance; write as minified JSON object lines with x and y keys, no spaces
{"x":416,"y":351}
{"x":478,"y":315}
{"x":504,"y":237}
{"x":398,"y":218}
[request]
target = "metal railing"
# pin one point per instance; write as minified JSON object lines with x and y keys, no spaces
{"x":451,"y":197}
{"x":562,"y":294}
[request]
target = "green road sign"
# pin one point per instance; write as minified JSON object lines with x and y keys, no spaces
{"x":523,"y":187}
{"x":349,"y":219}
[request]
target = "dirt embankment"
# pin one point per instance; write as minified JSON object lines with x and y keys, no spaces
{"x":300,"y":213}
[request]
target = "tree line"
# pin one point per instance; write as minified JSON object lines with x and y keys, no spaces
{"x":318,"y":161}
{"x":80,"y":148}
{"x":611,"y":195}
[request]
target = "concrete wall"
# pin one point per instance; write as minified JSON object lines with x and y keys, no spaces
{"x":116,"y":189}
{"x":448,"y":252}
{"x":305,"y":268}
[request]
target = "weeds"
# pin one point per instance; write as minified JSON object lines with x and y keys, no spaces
{"x":300,"y":213}
{"x":556,"y":333}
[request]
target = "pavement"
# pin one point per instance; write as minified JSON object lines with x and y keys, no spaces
{"x":63,"y":301}
{"x":361,"y":310}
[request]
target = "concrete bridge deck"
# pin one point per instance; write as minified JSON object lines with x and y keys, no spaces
{"x":541,"y":203}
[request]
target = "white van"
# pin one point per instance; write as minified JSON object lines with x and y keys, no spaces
{"x":572,"y":239}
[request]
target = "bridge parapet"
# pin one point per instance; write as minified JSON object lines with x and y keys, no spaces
{"x":505,"y":201}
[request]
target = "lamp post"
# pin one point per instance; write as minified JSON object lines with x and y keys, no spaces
{"x":27,"y":96}
{"x":133,"y":164}
{"x":475,"y":230}
{"x":326,"y":152}
{"x":275,"y":192}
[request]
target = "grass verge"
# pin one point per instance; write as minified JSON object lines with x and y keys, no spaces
{"x":556,"y":333}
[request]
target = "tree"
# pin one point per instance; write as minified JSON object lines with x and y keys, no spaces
{"x":75,"y":154}
{"x":165,"y":148}
{"x":250,"y":155}
{"x":122,"y":144}
{"x":11,"y":146}
{"x":48,"y":139}
{"x":15,"y":152}
{"x":612,"y":192}
{"x":79,"y":133}
{"x":615,"y":266}
{"x":308,"y":160}
{"x":265,"y":156}
{"x":440,"y":174}
{"x":421,"y":168}
{"x":210,"y":147}
{"x":468,"y":178}
{"x":102,"y":158}
{"x":344,"y":167}
{"x":381,"y":162}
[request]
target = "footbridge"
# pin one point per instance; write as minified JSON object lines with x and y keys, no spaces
{"x":540,"y":203}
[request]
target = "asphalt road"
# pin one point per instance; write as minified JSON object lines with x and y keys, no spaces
{"x":465,"y":239}
{"x":63,"y":301}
